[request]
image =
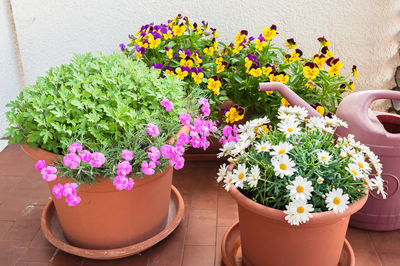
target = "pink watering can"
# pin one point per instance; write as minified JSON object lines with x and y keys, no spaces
{"x":378,"y":131}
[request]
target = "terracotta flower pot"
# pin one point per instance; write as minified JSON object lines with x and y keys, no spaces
{"x":268,"y":239}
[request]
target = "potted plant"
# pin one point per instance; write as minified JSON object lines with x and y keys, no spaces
{"x":296,"y":187}
{"x":104,"y":129}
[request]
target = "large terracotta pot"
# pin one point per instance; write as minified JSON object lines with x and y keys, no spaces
{"x":268,"y":239}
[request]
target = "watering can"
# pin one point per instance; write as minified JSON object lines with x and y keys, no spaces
{"x":377,"y":130}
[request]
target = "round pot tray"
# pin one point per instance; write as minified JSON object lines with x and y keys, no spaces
{"x":53,"y":232}
{"x":232,"y":252}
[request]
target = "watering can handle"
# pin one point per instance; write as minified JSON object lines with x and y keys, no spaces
{"x":289,"y":95}
{"x":368,"y":97}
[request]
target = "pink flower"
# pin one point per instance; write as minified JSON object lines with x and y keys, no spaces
{"x":58,"y":190}
{"x":185,"y":119}
{"x":73,"y":200}
{"x":130,"y":184}
{"x":127,"y":155}
{"x":195,"y":140}
{"x":85,"y":156}
{"x":183,"y":139}
{"x":75,"y":147}
{"x":124,"y":168}
{"x":98,"y":159}
{"x":205,"y":106}
{"x":167,"y":104}
{"x":152,"y":130}
{"x":154,"y":153}
{"x":72,"y":160}
{"x":167,"y":151}
{"x":70,"y":189}
{"x":48,"y":173}
{"x":146,"y":169}
{"x":120,"y":182}
{"x":177,"y":162}
{"x":179,"y":150}
{"x":40,"y":165}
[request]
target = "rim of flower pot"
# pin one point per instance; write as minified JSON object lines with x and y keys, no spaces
{"x":317,"y":218}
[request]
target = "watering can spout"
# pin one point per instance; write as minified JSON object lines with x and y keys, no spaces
{"x":289,"y":95}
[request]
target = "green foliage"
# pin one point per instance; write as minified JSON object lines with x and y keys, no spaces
{"x":103,"y":102}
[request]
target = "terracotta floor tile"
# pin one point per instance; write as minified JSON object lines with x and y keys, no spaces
{"x":14,"y":162}
{"x":138,"y":259}
{"x":359,"y":239}
{"x":169,"y":252}
{"x":64,"y":259}
{"x":10,"y":253}
{"x":366,"y":257}
{"x":14,"y":206}
{"x":31,"y":263}
{"x":41,"y":254}
{"x":204,"y":198}
{"x":7,"y":183}
{"x":39,"y":241}
{"x":386,"y":241}
{"x":227,"y":209}
{"x":220,"y":234}
{"x":389,"y":258}
{"x":201,"y":227}
{"x":198,"y":256}
{"x":4,"y":227}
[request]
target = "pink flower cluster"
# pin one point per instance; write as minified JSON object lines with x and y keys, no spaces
{"x":229,"y":134}
{"x":68,"y":191}
{"x":152,"y":130}
{"x":124,"y":168}
{"x":77,"y":154}
{"x":167,"y":104}
{"x":48,"y":172}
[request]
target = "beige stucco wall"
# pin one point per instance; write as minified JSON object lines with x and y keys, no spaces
{"x":361,"y":32}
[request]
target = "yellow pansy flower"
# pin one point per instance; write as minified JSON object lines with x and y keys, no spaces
{"x":310,"y":70}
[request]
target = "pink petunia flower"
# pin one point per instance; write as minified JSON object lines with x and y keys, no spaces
{"x":48,"y":173}
{"x":130,"y":184}
{"x":71,"y":160}
{"x":152,"y":130}
{"x":154,"y":154}
{"x":146,"y":169}
{"x":167,"y":104}
{"x":185,"y":119}
{"x":40,"y":165}
{"x":58,"y":190}
{"x":127,"y":155}
{"x":120,"y":182}
{"x":179,"y":150}
{"x":205,"y":106}
{"x":73,"y":200}
{"x":97,"y":159}
{"x":124,"y":168}
{"x":167,"y":151}
{"x":177,"y":162}
{"x":85,"y":156}
{"x":75,"y":147}
{"x":183,"y":139}
{"x":70,"y":189}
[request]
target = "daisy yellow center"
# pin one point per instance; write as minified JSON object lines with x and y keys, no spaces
{"x":300,"y":209}
{"x":263,"y":148}
{"x":299,"y":189}
{"x":282,"y":166}
{"x":361,"y":165}
{"x":230,"y":180}
{"x":354,"y":172}
{"x":323,"y":158}
{"x":336,"y":201}
{"x":290,"y":129}
{"x":241,"y":176}
{"x":281,"y":151}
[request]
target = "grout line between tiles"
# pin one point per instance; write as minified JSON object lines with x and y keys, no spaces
{"x":374,"y":247}
{"x":216,"y":230}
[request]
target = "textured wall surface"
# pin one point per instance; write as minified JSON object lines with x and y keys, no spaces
{"x":10,"y":83}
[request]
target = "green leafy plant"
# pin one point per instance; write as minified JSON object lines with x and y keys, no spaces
{"x":299,"y":167}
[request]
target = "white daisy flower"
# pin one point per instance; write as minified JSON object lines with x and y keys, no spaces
{"x":281,"y":148}
{"x":259,"y":121}
{"x":228,"y":181}
{"x":252,"y":179}
{"x":222,"y":172}
{"x":335,"y":122}
{"x":248,"y":128}
{"x":283,"y":165}
{"x":374,"y":160}
{"x":320,"y":180}
{"x":337,"y":201}
{"x":226,"y":149}
{"x":289,"y":127}
{"x":316,"y":123}
{"x":240,"y":147}
{"x":347,"y":151}
{"x":300,"y":188}
{"x":378,"y":183}
{"x":355,"y":171}
{"x":359,"y":160}
{"x":298,"y":212}
{"x":300,"y":112}
{"x":240,"y":175}
{"x":263,"y":146}
{"x":324,"y":157}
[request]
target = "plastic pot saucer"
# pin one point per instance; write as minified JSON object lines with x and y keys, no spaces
{"x":53,"y":232}
{"x":231,"y":250}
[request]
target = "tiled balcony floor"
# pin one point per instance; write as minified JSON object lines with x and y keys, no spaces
{"x":209,"y":211}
